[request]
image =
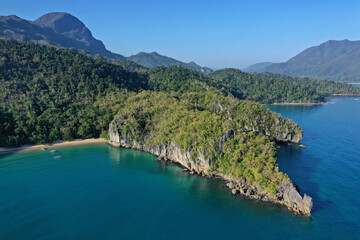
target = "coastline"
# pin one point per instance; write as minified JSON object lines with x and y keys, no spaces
{"x":310,"y":103}
{"x":288,"y":194}
{"x":345,"y":95}
{"x":295,"y":104}
{"x":26,"y":148}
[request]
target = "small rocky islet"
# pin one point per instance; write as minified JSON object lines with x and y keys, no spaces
{"x":214,"y":136}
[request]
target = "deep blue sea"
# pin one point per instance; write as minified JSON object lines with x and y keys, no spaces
{"x":102,"y":192}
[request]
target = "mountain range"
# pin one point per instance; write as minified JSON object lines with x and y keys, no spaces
{"x":332,"y":60}
{"x":61,"y":29}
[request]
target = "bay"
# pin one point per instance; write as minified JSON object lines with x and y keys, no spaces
{"x":102,"y":192}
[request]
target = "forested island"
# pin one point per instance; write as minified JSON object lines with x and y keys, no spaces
{"x":51,"y":94}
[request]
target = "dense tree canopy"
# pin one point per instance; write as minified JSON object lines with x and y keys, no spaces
{"x":49,"y":94}
{"x":275,"y":88}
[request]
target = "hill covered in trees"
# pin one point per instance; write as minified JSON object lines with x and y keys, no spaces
{"x":275,"y":88}
{"x":49,"y":94}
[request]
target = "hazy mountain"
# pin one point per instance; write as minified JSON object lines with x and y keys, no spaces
{"x":332,"y":60}
{"x":257,"y":66}
{"x":64,"y":30}
{"x":151,"y":60}
{"x":56,"y":29}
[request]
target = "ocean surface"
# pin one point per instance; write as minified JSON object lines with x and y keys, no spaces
{"x":102,"y":192}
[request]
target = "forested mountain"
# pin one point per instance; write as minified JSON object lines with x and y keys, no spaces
{"x":151,"y":60}
{"x":49,"y":93}
{"x":64,"y":30}
{"x":332,"y":60}
{"x":276,"y":88}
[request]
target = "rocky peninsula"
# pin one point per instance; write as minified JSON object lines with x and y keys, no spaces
{"x":214,"y":136}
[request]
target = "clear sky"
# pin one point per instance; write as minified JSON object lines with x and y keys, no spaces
{"x":216,"y":34}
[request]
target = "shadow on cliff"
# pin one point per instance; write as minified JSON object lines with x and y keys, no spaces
{"x":301,"y":167}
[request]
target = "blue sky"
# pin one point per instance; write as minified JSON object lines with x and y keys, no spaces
{"x":212,"y":33}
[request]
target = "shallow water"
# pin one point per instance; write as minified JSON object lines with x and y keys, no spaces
{"x":102,"y":192}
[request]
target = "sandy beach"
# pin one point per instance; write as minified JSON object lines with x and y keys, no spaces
{"x":53,"y":145}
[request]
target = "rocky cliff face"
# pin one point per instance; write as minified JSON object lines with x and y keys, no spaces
{"x":287,"y":194}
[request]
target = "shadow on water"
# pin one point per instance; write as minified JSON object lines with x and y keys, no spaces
{"x":8,"y":153}
{"x":301,"y":167}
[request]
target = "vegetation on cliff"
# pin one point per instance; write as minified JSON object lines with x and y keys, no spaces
{"x":239,"y":136}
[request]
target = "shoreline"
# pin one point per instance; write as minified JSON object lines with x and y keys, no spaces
{"x":344,"y":95}
{"x":291,"y":199}
{"x":310,"y":103}
{"x":26,"y":148}
{"x":295,"y":104}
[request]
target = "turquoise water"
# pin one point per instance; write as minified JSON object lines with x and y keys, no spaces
{"x":102,"y":192}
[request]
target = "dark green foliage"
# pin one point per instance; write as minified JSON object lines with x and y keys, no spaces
{"x":128,"y":65}
{"x":51,"y":94}
{"x":177,"y":79}
{"x":8,"y":136}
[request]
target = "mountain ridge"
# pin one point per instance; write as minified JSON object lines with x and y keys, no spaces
{"x":61,"y":29}
{"x":154,"y":59}
{"x":53,"y":29}
{"x":257,"y":66}
{"x":337,"y":60}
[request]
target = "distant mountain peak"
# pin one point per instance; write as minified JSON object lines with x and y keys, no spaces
{"x":61,"y":22}
{"x":337,"y":60}
{"x":13,"y":17}
{"x":154,"y":59}
{"x":58,"y":29}
{"x":61,"y":29}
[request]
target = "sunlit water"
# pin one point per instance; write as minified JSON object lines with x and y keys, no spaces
{"x":102,"y":192}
